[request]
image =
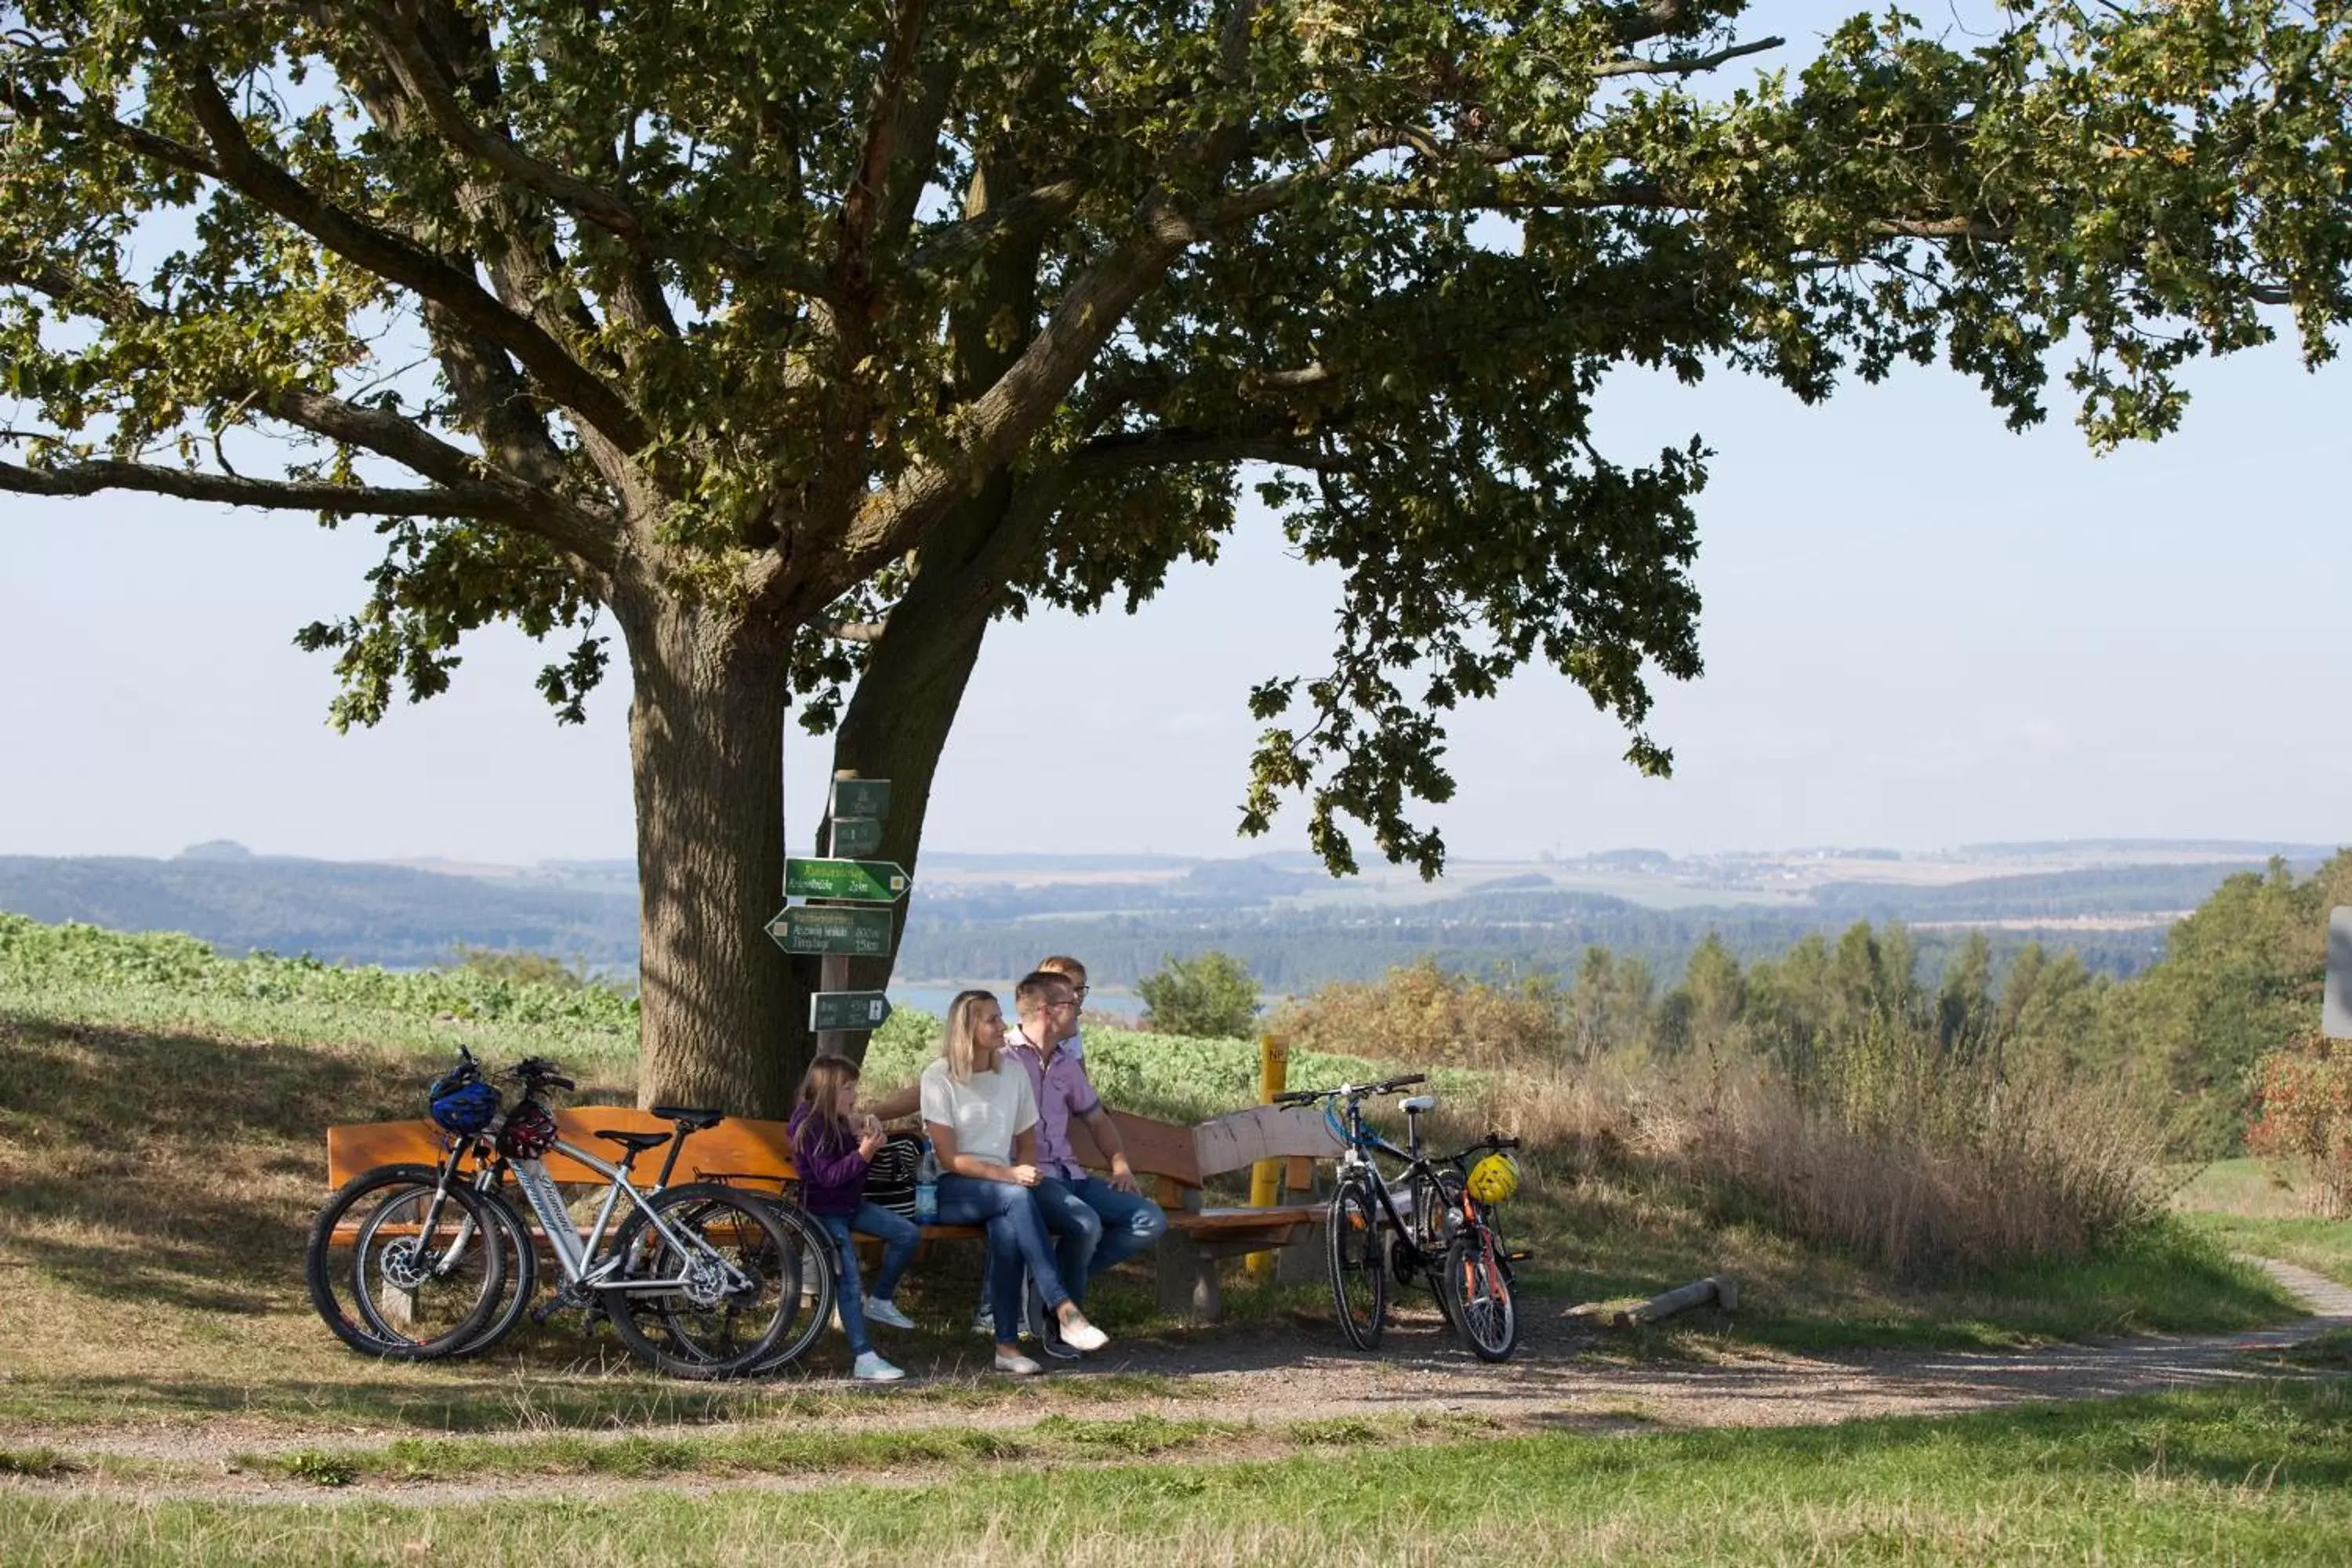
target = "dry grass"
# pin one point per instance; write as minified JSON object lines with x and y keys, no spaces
{"x":1938,"y":1190}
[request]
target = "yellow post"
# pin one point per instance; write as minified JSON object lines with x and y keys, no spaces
{"x":1265,"y":1176}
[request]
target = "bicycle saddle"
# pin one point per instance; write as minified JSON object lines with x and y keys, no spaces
{"x":1417,"y":1104}
{"x":694,"y":1119}
{"x":635,"y":1142}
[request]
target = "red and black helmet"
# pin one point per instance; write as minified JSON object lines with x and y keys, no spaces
{"x":529,"y":1132}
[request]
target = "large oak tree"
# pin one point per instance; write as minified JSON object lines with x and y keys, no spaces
{"x":805,"y":338}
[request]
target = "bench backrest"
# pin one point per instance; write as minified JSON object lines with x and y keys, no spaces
{"x":1180,"y":1158}
{"x":737,"y":1146}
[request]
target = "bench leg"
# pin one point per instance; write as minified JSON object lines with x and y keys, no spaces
{"x":1188,"y":1280}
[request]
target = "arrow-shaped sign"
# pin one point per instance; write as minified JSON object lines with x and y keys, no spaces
{"x":853,"y":881}
{"x":808,"y":928}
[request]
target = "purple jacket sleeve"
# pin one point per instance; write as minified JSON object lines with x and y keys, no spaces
{"x":821,"y":1165}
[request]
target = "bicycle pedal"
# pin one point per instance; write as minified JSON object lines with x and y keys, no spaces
{"x":1518,"y":1255}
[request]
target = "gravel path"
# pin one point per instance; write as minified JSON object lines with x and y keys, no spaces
{"x":1278,"y":1376}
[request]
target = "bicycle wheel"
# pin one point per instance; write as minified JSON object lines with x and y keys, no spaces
{"x":1478,"y":1290}
{"x":1359,"y":1279}
{"x":734,"y":1302}
{"x":398,"y":1269}
{"x":522,"y":1274}
{"x":1437,"y":1210}
{"x":808,"y":1260}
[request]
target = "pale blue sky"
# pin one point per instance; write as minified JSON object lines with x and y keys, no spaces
{"x":1920,"y":630}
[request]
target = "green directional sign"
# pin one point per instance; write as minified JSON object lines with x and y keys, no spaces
{"x":809,"y":928}
{"x":858,"y":882}
{"x":848,"y":1009}
{"x":861,"y":797}
{"x":856,"y":835}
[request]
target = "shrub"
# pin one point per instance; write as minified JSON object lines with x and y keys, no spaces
{"x":2303,"y":1113}
{"x":1211,"y":994}
{"x":1423,"y":1015}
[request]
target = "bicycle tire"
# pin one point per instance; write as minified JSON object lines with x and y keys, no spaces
{"x":1481,"y":1301}
{"x":809,"y":1258}
{"x":732,"y":1332}
{"x":1438,"y":1199}
{"x":522,"y":1276}
{"x":1359,"y":1265}
{"x":351,"y":1279}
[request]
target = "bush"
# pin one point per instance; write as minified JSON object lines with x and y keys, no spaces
{"x":1423,"y":1015}
{"x":1211,"y":996}
{"x":2303,"y":1113}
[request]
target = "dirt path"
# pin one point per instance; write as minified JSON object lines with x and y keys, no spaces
{"x":1278,"y":1377}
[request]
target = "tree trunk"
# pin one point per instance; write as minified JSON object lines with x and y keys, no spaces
{"x":706,"y":743}
{"x":898,"y":718}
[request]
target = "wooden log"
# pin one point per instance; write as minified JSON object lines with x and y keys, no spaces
{"x":1717,"y":1287}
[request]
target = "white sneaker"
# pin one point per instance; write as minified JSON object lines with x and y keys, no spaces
{"x":983,"y":1323}
{"x":872,"y":1368}
{"x":1079,"y":1334}
{"x":1018,"y":1365}
{"x":882,"y":1310}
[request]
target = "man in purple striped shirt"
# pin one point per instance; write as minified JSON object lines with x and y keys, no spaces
{"x":1098,"y":1221}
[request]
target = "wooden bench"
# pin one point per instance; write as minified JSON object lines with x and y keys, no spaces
{"x":1177,"y":1163}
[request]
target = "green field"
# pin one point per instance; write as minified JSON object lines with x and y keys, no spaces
{"x":2258,"y":1473}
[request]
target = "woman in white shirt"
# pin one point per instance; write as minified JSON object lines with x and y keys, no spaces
{"x":982,"y":1118}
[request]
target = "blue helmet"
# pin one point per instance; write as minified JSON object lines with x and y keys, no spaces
{"x":461,"y":1102}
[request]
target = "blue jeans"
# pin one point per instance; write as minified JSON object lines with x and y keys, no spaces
{"x":1100,"y":1227}
{"x":1016,"y":1240}
{"x":899,"y":1236}
{"x":1096,"y":1226}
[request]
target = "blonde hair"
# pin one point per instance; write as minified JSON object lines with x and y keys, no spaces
{"x":961,"y":1044}
{"x":1064,"y":965}
{"x":821,"y":1092}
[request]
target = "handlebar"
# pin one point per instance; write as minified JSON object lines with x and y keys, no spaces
{"x":538,"y":1072}
{"x":1350,"y":1090}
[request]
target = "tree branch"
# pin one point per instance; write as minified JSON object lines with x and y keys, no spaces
{"x":1657,"y":20}
{"x":529,"y":482}
{"x":1031,"y":212}
{"x":1684,"y":65}
{"x":393,"y":257}
{"x":861,"y":203}
{"x":419,"y":76}
{"x":478,"y":502}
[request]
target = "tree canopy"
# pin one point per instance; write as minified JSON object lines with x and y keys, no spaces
{"x":787,"y":333}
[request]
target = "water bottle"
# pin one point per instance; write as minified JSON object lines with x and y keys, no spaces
{"x":927,"y":1186}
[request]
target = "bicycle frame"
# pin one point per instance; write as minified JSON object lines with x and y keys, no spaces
{"x":1362,"y":1142}
{"x":577,"y":1257}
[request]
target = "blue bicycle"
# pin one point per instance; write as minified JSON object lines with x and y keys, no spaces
{"x":1425,"y":1224}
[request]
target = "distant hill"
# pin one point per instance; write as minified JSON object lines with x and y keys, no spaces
{"x":992,"y":914}
{"x":350,"y":911}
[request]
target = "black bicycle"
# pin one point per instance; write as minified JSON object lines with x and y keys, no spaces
{"x":1423,"y":1225}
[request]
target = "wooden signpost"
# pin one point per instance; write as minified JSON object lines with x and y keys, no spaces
{"x":847,"y":924}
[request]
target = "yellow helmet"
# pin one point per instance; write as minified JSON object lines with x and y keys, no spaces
{"x":1494,"y":1178}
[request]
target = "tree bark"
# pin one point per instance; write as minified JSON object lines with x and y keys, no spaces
{"x":897,"y":721}
{"x":705,"y":742}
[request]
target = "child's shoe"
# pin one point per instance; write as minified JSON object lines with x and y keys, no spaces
{"x":882,"y":1310}
{"x":872,"y":1368}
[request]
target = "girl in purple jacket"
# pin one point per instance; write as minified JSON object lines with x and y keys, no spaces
{"x":832,"y":1146}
